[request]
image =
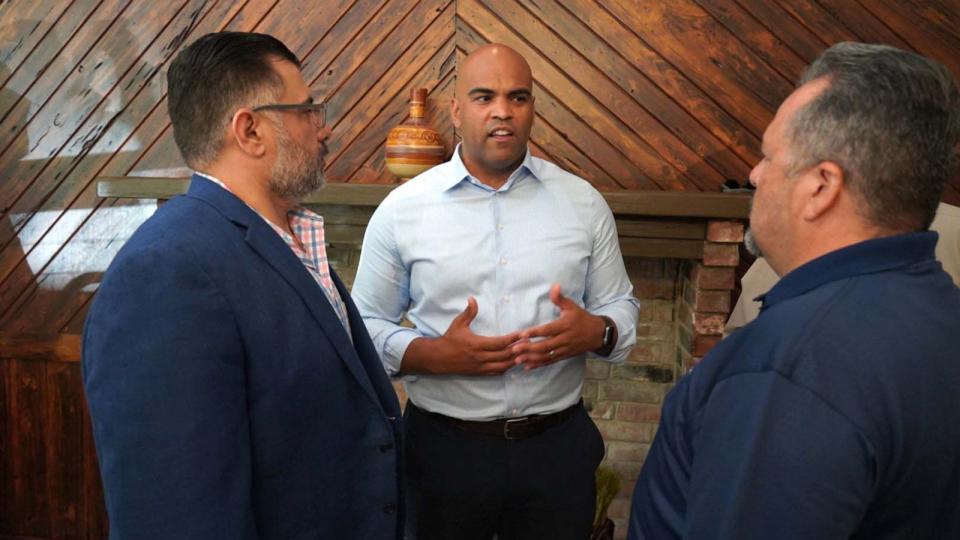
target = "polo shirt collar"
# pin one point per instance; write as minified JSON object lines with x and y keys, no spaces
{"x":459,"y":173}
{"x":867,"y":257}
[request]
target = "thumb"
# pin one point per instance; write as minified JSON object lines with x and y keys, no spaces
{"x":467,"y":315}
{"x":558,"y":298}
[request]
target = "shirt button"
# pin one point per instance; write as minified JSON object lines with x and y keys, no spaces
{"x":499,"y":226}
{"x":390,"y":509}
{"x":386,"y":447}
{"x":503,"y":260}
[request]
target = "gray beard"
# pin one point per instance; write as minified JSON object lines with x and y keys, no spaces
{"x":295,"y":174}
{"x":750,"y":243}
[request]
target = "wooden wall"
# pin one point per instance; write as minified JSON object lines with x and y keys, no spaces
{"x":659,"y":94}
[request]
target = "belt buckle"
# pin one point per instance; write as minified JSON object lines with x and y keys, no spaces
{"x":508,"y":423}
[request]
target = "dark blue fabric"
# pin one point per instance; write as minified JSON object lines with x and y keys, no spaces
{"x":835,"y":414}
{"x":227,"y":400}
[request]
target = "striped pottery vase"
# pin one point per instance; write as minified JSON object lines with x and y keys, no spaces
{"x":414,"y":146}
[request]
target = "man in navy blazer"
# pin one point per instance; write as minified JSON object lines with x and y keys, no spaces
{"x":233,"y":387}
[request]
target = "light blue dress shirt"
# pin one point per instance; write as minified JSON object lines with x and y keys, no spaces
{"x":444,"y":236}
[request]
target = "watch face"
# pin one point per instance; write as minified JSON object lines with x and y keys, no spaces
{"x":607,"y":334}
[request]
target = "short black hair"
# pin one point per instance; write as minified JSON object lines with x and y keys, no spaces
{"x":213,"y":77}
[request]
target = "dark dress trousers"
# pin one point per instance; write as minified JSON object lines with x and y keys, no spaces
{"x":227,"y":399}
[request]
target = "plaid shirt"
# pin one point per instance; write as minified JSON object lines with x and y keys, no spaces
{"x":308,"y":228}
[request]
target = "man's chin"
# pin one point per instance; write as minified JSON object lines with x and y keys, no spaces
{"x":299,"y":191}
{"x":750,"y":242}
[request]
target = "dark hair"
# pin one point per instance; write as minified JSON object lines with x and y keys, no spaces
{"x":891,"y":119}
{"x":213,"y":77}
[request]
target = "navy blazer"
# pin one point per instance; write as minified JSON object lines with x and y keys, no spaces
{"x":227,"y":399}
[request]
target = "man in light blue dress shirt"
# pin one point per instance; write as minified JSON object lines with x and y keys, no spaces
{"x":510,"y":271}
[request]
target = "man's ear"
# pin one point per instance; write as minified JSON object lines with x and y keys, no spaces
{"x":822,"y":186}
{"x":248,"y":131}
{"x":455,"y":112}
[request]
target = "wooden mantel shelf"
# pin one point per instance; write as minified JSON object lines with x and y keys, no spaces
{"x":651,"y":223}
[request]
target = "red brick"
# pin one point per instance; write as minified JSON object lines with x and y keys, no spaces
{"x":639,"y":412}
{"x":645,"y":353}
{"x":725,"y":231}
{"x":708,"y":323}
{"x":619,"y":508}
{"x":626,"y":431}
{"x":692,"y":362}
{"x":653,"y":311}
{"x":658,"y":373}
{"x":597,"y":369}
{"x":713,"y":277}
{"x":717,"y":254}
{"x":703,"y":343}
{"x":589,"y":390}
{"x":635,"y":391}
{"x":655,"y":288}
{"x":602,"y":410}
{"x":712,"y":301}
{"x":620,"y":528}
{"x":625,"y":451}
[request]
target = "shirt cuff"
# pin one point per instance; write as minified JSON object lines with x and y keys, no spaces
{"x":626,"y":336}
{"x":395,"y":346}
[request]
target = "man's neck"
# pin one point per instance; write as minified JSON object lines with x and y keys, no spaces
{"x":256,"y":193}
{"x":493,"y":179}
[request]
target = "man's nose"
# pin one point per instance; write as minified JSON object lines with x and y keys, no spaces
{"x":324,"y":133}
{"x":502,"y":109}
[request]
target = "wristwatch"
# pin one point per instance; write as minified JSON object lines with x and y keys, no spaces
{"x":609,"y":337}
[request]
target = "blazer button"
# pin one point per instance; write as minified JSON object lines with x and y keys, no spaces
{"x":386,"y":447}
{"x":390,"y":509}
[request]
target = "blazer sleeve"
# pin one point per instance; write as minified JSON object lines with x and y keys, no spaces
{"x":163,"y":367}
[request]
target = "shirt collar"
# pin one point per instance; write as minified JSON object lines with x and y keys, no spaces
{"x":459,"y":172}
{"x":867,"y":257}
{"x":295,"y":212}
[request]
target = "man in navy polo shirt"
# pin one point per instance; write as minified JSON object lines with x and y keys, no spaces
{"x":835,"y":413}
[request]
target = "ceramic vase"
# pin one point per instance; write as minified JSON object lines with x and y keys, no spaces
{"x":414,"y":146}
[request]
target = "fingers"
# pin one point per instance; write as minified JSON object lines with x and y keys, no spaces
{"x":549,"y":329}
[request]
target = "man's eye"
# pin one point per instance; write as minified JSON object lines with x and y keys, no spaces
{"x":483,"y":99}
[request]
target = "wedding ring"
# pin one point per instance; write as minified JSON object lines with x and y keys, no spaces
{"x":552,"y":353}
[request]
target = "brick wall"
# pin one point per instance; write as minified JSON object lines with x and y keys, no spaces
{"x":625,"y":400}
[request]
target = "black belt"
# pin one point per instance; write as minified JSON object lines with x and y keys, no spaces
{"x":506,"y":428}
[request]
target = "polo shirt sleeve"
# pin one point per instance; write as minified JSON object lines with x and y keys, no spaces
{"x":773,"y":460}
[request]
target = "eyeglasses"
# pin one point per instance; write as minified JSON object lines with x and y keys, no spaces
{"x":318,"y":111}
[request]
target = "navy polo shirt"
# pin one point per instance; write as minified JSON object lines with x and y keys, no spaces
{"x":835,"y":414}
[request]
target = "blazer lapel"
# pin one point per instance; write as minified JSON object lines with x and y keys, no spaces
{"x":265,"y":241}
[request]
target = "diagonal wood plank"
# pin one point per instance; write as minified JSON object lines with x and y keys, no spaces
{"x":667,"y":119}
{"x":356,"y":147}
{"x":784,"y":52}
{"x":491,"y":29}
{"x":690,"y":39}
{"x":409,"y":46}
{"x":115,"y":154}
{"x":674,"y":83}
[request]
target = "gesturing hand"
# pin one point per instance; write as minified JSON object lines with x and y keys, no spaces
{"x":460,"y":351}
{"x":573,"y":333}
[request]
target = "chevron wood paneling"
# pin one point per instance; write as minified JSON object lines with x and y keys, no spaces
{"x":652,"y":95}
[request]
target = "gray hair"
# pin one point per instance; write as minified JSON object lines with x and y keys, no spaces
{"x":213,"y":77}
{"x":891,"y":120}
